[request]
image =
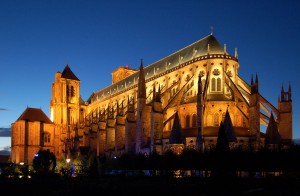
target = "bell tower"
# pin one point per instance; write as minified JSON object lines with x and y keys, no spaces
{"x":254,"y":115}
{"x":65,"y":109}
{"x":65,"y":102}
{"x":285,"y":119}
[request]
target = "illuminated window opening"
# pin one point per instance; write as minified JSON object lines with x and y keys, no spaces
{"x":47,"y":137}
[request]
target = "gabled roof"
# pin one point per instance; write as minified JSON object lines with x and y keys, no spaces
{"x":68,"y":74}
{"x":175,"y":136}
{"x":34,"y":114}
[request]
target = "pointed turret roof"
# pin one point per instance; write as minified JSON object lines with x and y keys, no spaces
{"x":34,"y":114}
{"x":142,"y":82}
{"x":175,"y":137}
{"x":229,"y":128}
{"x":68,"y":74}
{"x":272,"y":134}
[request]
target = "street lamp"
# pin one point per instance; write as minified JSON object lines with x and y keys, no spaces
{"x":68,"y":160}
{"x":68,"y":165}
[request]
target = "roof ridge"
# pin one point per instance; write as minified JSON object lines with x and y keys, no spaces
{"x":210,"y":35}
{"x":34,"y":114}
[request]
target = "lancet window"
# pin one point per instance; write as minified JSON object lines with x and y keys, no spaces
{"x":47,"y":137}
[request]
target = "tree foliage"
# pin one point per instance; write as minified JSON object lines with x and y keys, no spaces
{"x":44,"y":162}
{"x":285,"y":160}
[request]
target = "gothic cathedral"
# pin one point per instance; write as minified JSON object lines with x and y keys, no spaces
{"x":174,"y":103}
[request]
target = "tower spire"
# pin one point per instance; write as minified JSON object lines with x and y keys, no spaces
{"x":141,"y":102}
{"x":282,"y":93}
{"x":256,"y":79}
{"x":236,"y":53}
{"x":141,"y":83}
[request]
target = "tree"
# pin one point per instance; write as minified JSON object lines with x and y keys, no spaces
{"x":44,"y":162}
{"x":222,"y":145}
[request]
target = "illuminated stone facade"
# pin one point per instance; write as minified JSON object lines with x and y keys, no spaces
{"x":31,"y":131}
{"x":136,"y":113}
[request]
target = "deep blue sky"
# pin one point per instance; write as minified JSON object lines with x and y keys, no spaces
{"x":38,"y":38}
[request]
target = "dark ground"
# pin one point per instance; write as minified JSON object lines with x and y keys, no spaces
{"x":121,"y":185}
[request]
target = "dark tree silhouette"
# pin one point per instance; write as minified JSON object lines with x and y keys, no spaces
{"x":44,"y":162}
{"x":222,"y":141}
{"x":222,"y":164}
{"x":93,"y":165}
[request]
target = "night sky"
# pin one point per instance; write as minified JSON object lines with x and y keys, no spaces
{"x":38,"y":38}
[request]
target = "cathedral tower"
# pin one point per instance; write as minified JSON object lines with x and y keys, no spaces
{"x":65,"y":106}
{"x":285,"y":115}
{"x":254,"y":114}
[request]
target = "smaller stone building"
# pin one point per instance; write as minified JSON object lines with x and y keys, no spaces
{"x":32,"y":131}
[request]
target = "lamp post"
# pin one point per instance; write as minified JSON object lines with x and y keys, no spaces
{"x":68,"y":160}
{"x":68,"y":165}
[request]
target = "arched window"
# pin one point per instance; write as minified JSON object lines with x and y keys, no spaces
{"x":72,"y":91}
{"x":216,"y":119}
{"x":194,"y":120}
{"x":219,"y":84}
{"x":47,"y":138}
{"x":216,"y":84}
{"x":213,"y":84}
{"x":67,"y":90}
{"x":187,"y":121}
